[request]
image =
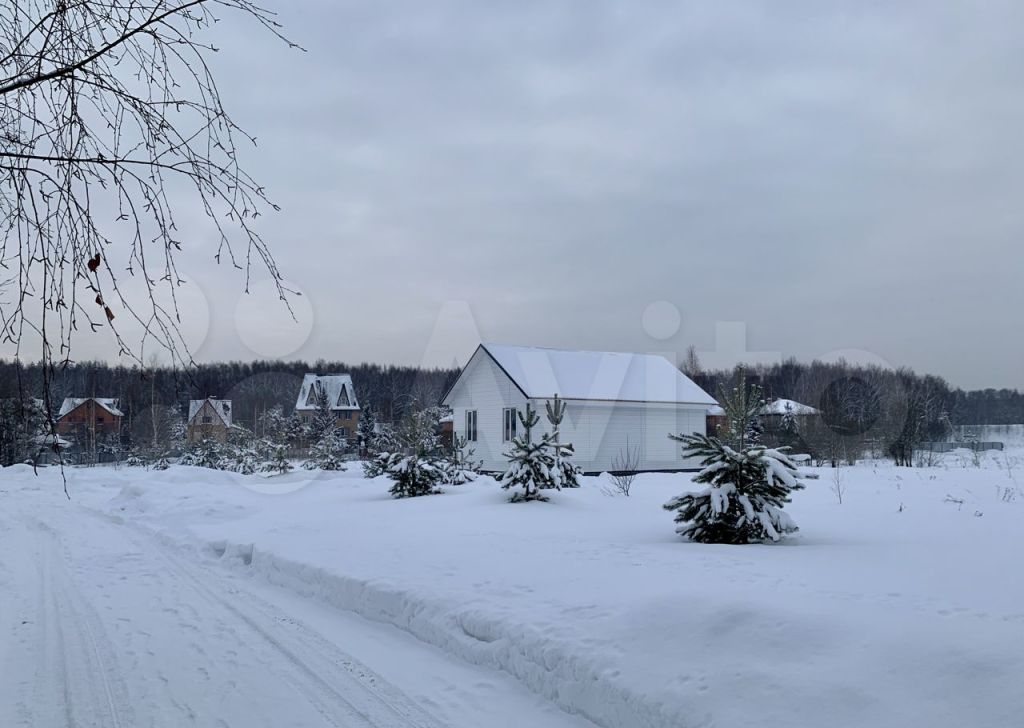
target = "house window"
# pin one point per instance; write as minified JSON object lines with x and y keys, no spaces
{"x":347,"y":415}
{"x":343,"y":431}
{"x":99,"y":419}
{"x":471,"y":425}
{"x":207,"y":419}
{"x":509,"y":418}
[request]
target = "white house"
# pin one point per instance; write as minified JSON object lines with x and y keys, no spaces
{"x":614,"y":402}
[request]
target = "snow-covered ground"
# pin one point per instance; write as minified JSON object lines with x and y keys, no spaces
{"x":902,"y":606}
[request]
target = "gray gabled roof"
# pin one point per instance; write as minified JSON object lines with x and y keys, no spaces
{"x":606,"y":376}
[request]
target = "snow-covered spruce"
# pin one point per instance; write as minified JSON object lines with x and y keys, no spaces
{"x":327,"y":452}
{"x":411,"y":475}
{"x":530,"y":464}
{"x":460,"y":467}
{"x":564,"y":473}
{"x":746,"y":492}
{"x":278,"y":462}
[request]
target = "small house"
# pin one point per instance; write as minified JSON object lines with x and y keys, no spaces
{"x":337,"y":393}
{"x":89,"y":418}
{"x":619,"y":407}
{"x":208,"y":419}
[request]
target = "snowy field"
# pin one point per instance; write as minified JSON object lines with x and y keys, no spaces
{"x":902,"y":606}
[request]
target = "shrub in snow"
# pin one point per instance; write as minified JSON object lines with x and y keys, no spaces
{"x":278,"y":462}
{"x":563,"y":472}
{"x":327,"y":452}
{"x":162,"y":464}
{"x":412,"y":475}
{"x":134,"y":460}
{"x":746,"y":492}
{"x":459,"y":466}
{"x":203,"y":454}
{"x":530,"y":464}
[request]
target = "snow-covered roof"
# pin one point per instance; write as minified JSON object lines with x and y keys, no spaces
{"x":340,"y":392}
{"x":716,"y":411}
{"x":110,"y":404}
{"x":221,"y":406}
{"x":782,"y":406}
{"x":596,"y":375}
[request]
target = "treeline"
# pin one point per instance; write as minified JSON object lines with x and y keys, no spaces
{"x":253,"y":387}
{"x":864,"y":410}
{"x":812,"y":384}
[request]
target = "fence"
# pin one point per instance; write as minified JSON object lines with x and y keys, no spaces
{"x":951,"y":446}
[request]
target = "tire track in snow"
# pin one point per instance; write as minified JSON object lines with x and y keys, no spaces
{"x":345,"y":692}
{"x":78,"y":672}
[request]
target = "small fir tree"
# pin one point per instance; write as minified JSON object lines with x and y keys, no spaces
{"x":746,"y":492}
{"x":742,"y":405}
{"x":326,"y":454}
{"x":365,"y":429}
{"x":459,"y":466}
{"x":278,"y":462}
{"x":323,"y":420}
{"x":563,"y":473}
{"x":412,"y":475}
{"x":530,"y":464}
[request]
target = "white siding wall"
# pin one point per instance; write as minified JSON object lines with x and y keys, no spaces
{"x":485,"y":388}
{"x":601,"y":431}
{"x":598,"y":431}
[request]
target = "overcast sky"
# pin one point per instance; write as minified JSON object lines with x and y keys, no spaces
{"x":834,"y":176}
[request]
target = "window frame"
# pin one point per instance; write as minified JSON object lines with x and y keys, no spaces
{"x":471,"y":425}
{"x":509,"y":423}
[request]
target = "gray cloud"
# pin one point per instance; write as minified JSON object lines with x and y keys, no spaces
{"x":837,"y":175}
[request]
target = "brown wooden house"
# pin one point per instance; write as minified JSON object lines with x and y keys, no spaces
{"x":89,"y":421}
{"x":208,"y":419}
{"x":340,"y":396}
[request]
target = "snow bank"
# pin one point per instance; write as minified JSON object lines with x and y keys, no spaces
{"x":893,"y":609}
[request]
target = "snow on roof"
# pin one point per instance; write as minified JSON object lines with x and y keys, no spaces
{"x":716,"y":411}
{"x":596,"y":375}
{"x":782,"y":406}
{"x":110,"y":404}
{"x":340,"y":392}
{"x":221,"y":406}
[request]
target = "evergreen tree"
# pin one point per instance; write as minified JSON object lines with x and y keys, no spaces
{"x":326,"y":454}
{"x":746,"y":492}
{"x":323,"y":420}
{"x":563,"y":473}
{"x":459,"y":466}
{"x":365,"y":429}
{"x":741,"y":403}
{"x":278,"y":462}
{"x":412,"y":475}
{"x":530,"y":464}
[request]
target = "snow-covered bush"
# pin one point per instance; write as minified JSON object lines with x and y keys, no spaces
{"x":278,"y":462}
{"x":459,"y":467}
{"x":746,"y":492}
{"x":327,"y":452}
{"x":530,"y":464}
{"x":204,"y":454}
{"x":412,"y":475}
{"x":162,"y":463}
{"x":563,"y":473}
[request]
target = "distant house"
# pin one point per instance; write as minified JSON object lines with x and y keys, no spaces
{"x":614,"y":402}
{"x":89,"y":420}
{"x":770,"y":416}
{"x":774,"y":414}
{"x":340,"y":396}
{"x":208,"y":419}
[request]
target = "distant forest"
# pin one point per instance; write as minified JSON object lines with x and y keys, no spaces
{"x":392,"y":391}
